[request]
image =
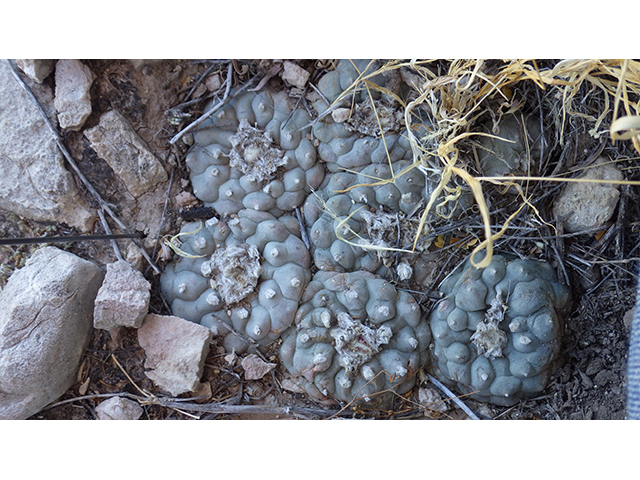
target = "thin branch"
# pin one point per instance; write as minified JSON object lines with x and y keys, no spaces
{"x":181,"y":404}
{"x":66,"y":239}
{"x":249,"y":409}
{"x":199,"y":81}
{"x":105,"y":225}
{"x":453,"y":397}
{"x":226,"y":99}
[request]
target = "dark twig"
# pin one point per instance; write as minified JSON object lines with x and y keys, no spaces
{"x":67,"y":239}
{"x":303,"y":230}
{"x":107,"y":229}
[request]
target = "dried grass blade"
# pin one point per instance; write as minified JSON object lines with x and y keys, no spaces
{"x":625,"y":128}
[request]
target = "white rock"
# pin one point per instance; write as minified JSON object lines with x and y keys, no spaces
{"x":295,"y":75}
{"x":185,"y":199}
{"x":73,"y":100}
{"x":123,"y":298}
{"x":117,"y":143}
{"x":119,"y":408}
{"x":592,"y":204}
{"x":36,"y":70}
{"x":34,"y":182}
{"x":176,"y":350}
{"x":292,"y":386}
{"x":213,"y":82}
{"x":255,"y":368}
{"x":45,"y":325}
{"x":134,"y":256}
{"x":341,"y":114}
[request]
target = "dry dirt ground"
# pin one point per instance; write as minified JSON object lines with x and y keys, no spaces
{"x":589,"y":385}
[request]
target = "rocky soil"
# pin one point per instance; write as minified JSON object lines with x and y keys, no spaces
{"x":153,"y":101}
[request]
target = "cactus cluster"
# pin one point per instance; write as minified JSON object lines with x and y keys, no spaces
{"x":348,"y":334}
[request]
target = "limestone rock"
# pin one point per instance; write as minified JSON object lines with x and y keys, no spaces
{"x":592,"y":204}
{"x":34,"y":182}
{"x":73,"y":100}
{"x":295,"y":75}
{"x":118,"y":408}
{"x":36,"y":70}
{"x":45,"y":325}
{"x":123,"y":299}
{"x":255,"y":368}
{"x":176,"y":350}
{"x":117,"y":143}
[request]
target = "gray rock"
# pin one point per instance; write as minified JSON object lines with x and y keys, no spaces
{"x":73,"y":100}
{"x":176,"y":350}
{"x":589,"y":205}
{"x":117,"y":143}
{"x":123,"y":299}
{"x":118,"y":408}
{"x":36,"y":70}
{"x":34,"y":182}
{"x":255,"y":368}
{"x":45,"y":325}
{"x":295,"y":75}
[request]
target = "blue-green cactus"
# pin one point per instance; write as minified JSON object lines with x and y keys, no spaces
{"x":250,"y":276}
{"x":356,"y":338}
{"x":254,"y":153}
{"x":497,"y":331}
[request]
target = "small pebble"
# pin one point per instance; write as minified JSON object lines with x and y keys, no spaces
{"x":255,"y":368}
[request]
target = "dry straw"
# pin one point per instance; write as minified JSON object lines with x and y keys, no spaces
{"x":470,"y":88}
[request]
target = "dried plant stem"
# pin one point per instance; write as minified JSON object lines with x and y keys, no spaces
{"x":453,"y":397}
{"x":164,"y":211}
{"x":226,"y":99}
{"x":107,"y":229}
{"x":183,"y":405}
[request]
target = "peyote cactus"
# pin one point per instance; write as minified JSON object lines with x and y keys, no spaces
{"x":254,"y":153}
{"x":247,"y":273}
{"x":497,"y":331}
{"x":376,"y":217}
{"x":356,"y":338}
{"x":519,"y":152}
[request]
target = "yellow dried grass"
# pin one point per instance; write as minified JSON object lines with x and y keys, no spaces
{"x":457,"y":98}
